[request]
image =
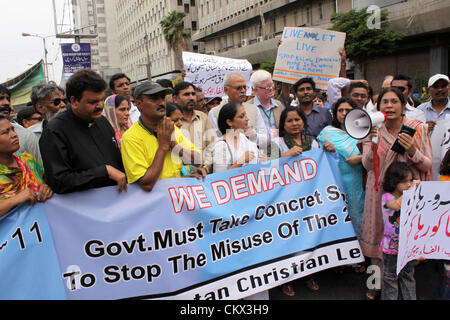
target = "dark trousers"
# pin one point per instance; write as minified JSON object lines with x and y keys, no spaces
{"x":401,"y":287}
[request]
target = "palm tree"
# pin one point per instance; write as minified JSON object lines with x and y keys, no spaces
{"x":175,"y":34}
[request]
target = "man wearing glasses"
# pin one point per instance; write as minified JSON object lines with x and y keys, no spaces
{"x":48,"y":100}
{"x":235,"y":87}
{"x":404,"y":84}
{"x":270,"y":109}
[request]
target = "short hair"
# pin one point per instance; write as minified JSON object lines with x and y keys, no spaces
{"x":226,"y":79}
{"x":444,"y":169}
{"x":334,"y":122}
{"x":82,"y":80}
{"x":165,"y":83}
{"x":40,"y":92}
{"x":119,"y":99}
{"x":302,"y":81}
{"x":259,"y":76}
{"x":25,"y":114}
{"x":358,"y":84}
{"x":227,"y":112}
{"x":171,"y":107}
{"x":394,"y":90}
{"x":395,"y":174}
{"x":182,"y":86}
{"x":5,"y":90}
{"x":404,"y":78}
{"x":283,"y":117}
{"x":115,"y":77}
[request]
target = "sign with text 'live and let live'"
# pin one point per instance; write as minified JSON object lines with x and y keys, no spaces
{"x":208,"y":72}
{"x":309,"y":52}
{"x":235,"y":234}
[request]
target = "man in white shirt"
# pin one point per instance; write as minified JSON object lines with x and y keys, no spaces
{"x":235,"y":87}
{"x":357,"y":90}
{"x":404,"y":84}
{"x":120,"y":84}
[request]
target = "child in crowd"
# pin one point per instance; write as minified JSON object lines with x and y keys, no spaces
{"x":398,"y":178}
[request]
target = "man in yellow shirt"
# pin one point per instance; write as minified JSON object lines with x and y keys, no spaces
{"x":153,"y":148}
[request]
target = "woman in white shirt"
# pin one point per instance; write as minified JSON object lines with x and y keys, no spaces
{"x":233,"y":149}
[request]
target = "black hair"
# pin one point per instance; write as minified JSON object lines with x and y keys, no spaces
{"x":115,"y":77}
{"x":358,"y":84}
{"x":444,"y":169}
{"x":25,"y":114}
{"x":5,"y":90}
{"x":3,"y":117}
{"x":304,"y":80}
{"x":119,"y":100}
{"x":334,"y":122}
{"x":405,"y":78}
{"x":182,"y":86}
{"x":82,"y":80}
{"x":396,"y":173}
{"x":165,"y":83}
{"x":171,"y":107}
{"x":394,"y":90}
{"x":283,"y":117}
{"x":227,"y":112}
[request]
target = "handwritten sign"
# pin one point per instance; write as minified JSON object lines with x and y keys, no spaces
{"x":208,"y":72}
{"x":440,"y":143}
{"x":425,"y":223}
{"x":309,"y":52}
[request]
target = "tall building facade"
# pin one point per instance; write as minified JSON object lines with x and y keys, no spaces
{"x":99,"y":17}
{"x":141,"y":40}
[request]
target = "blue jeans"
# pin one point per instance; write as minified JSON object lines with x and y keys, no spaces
{"x":401,"y":287}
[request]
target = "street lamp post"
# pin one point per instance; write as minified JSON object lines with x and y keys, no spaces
{"x":24,"y":34}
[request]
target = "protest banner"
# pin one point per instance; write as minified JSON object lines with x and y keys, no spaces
{"x":208,"y":72}
{"x":308,"y":52}
{"x":425,"y":223}
{"x":75,"y":56}
{"x":232,"y":235}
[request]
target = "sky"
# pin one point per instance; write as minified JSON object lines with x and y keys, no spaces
{"x":19,"y":53}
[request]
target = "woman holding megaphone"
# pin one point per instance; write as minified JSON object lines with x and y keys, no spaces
{"x":397,"y":139}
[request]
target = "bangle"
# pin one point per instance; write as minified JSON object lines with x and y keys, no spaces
{"x":398,"y":203}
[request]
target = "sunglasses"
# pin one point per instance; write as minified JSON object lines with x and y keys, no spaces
{"x":58,"y":101}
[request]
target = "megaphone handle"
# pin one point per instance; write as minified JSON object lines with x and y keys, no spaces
{"x":375,"y":164}
{"x":375,"y":138}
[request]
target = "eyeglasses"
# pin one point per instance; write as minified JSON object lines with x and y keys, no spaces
{"x":58,"y":101}
{"x":359,"y":95}
{"x":271,"y":87}
{"x":239,"y":88}
{"x":400,"y":88}
{"x":36,"y":118}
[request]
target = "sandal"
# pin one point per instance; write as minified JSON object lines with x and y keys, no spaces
{"x":288,"y":289}
{"x":373,"y":294}
{"x":311,"y":284}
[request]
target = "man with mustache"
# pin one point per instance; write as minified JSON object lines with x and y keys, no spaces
{"x":48,"y":100}
{"x":317,"y":117}
{"x":153,"y":147}
{"x":78,"y":147}
{"x":28,"y":141}
{"x":438,"y":108}
{"x":120,"y":84}
{"x":196,"y":126}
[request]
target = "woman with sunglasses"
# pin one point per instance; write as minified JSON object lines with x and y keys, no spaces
{"x":21,"y":175}
{"x":417,"y":154}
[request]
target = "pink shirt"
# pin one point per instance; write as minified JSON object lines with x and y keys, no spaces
{"x":391,"y":220}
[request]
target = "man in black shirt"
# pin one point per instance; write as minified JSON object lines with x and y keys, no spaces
{"x":78,"y":146}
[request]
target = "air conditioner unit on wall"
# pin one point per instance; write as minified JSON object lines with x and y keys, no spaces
{"x":244,"y":42}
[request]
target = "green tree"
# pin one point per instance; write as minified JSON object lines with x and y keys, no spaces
{"x":364,"y":40}
{"x":268,"y":65}
{"x":176,"y":35}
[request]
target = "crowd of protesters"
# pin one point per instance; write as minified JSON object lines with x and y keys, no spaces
{"x":77,"y":138}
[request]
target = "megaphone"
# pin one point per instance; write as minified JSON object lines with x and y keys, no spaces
{"x":358,"y":123}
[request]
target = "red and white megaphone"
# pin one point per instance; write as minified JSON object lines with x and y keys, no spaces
{"x":359,"y":122}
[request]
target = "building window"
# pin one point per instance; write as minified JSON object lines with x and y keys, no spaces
{"x":320,"y":11}
{"x":194,"y":25}
{"x":192,"y":3}
{"x":180,"y":2}
{"x":186,"y":8}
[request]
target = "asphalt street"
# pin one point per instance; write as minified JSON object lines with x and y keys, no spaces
{"x":352,"y":286}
